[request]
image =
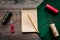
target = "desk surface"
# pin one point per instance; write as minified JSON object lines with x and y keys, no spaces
{"x":18,"y":35}
{"x":5,"y":33}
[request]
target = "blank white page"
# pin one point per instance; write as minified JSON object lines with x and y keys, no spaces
{"x":26,"y":23}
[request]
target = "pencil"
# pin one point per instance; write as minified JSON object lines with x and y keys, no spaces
{"x":32,"y":23}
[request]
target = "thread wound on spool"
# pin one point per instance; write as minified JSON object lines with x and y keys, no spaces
{"x":6,"y":17}
{"x":54,"y":30}
{"x":51,"y":8}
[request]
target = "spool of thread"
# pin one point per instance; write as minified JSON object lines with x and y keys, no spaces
{"x":12,"y":28}
{"x":54,"y":30}
{"x":6,"y":17}
{"x":51,"y":8}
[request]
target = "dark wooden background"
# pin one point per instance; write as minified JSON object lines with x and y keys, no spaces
{"x":5,"y":33}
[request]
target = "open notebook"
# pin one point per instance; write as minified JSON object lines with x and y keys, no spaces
{"x":27,"y":25}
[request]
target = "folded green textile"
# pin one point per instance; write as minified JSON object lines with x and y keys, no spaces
{"x":45,"y":18}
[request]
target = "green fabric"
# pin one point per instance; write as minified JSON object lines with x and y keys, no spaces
{"x":45,"y":18}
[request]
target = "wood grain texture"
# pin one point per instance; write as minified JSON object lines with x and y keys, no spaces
{"x":5,"y":33}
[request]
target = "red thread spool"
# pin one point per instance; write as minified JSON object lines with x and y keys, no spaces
{"x":12,"y":28}
{"x":52,"y":9}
